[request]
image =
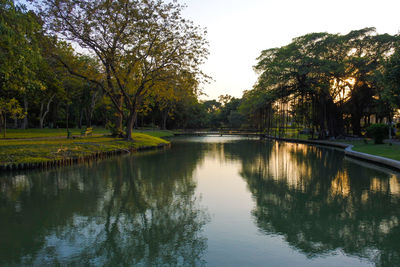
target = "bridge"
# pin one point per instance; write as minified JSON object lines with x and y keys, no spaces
{"x":220,"y":133}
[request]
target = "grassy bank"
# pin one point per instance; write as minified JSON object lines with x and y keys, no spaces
{"x":25,"y":151}
{"x":157,"y":133}
{"x":62,"y":132}
{"x":382,"y":150}
{"x":47,"y":133}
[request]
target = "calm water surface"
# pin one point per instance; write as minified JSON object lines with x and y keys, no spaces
{"x":208,"y":201}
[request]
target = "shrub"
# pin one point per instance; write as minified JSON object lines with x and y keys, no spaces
{"x":378,"y":132}
{"x":113,"y":129}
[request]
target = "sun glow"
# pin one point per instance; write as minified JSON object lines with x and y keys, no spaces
{"x":341,"y":89}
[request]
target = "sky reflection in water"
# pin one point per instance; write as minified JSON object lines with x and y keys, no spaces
{"x":208,"y":201}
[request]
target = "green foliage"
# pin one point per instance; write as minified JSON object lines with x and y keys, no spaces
{"x":391,"y":76}
{"x":19,"y":53}
{"x":11,"y":108}
{"x":115,"y":131}
{"x":235,"y":119}
{"x":327,"y":82}
{"x":325,"y":78}
{"x":397,"y":134}
{"x":378,"y":132}
{"x":151,"y":43}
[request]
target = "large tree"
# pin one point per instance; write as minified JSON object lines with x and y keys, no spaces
{"x":367,"y":53}
{"x":327,"y":77}
{"x":136,"y":42}
{"x":303,"y":71}
{"x":19,"y":54}
{"x":391,"y":94}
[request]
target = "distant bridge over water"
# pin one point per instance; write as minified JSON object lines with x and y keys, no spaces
{"x":220,"y":133}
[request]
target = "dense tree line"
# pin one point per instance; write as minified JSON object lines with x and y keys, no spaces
{"x":330,"y":83}
{"x":70,"y":63}
{"x":129,"y":63}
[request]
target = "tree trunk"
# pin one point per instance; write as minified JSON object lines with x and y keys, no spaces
{"x":136,"y":120}
{"x":15,"y":122}
{"x":81,"y":118}
{"x":67,"y":111}
{"x":41,"y":115}
{"x":164,"y":120}
{"x":91,"y":109}
{"x":129,"y":125}
{"x":5,"y":126}
{"x":335,"y":120}
{"x":355,"y":122}
{"x":118,"y":117}
{"x":44,"y":114}
{"x":25,"y":121}
{"x":117,"y":100}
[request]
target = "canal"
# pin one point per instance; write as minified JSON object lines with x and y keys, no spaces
{"x":207,"y":201}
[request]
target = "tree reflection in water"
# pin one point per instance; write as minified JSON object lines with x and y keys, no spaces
{"x":321,"y":205}
{"x":129,"y":211}
{"x":143,"y":210}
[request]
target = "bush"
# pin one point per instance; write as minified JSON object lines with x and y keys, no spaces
{"x":397,"y":134}
{"x":114,"y":130}
{"x":378,"y":132}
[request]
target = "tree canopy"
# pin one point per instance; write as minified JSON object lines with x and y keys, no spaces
{"x":129,"y":63}
{"x":138,"y":44}
{"x":321,"y":79}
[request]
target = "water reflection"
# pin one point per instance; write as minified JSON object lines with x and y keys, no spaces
{"x":144,"y":210}
{"x":322,"y":203}
{"x":131,"y":211}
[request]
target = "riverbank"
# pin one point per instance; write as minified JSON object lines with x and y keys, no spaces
{"x":76,"y":132}
{"x":18,"y":154}
{"x":385,"y":154}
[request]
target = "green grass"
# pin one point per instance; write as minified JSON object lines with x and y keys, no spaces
{"x":62,"y":132}
{"x":13,"y":151}
{"x":382,"y":150}
{"x":45,"y":133}
{"x":157,"y":133}
{"x":297,"y":136}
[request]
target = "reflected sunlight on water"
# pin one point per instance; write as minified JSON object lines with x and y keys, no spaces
{"x":208,"y":201}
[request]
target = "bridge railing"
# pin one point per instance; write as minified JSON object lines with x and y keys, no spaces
{"x":220,"y":131}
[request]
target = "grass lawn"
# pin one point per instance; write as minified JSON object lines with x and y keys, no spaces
{"x":45,"y":133}
{"x":42,"y":150}
{"x":156,"y":133}
{"x":297,"y":136}
{"x":383,"y":150}
{"x":62,"y":132}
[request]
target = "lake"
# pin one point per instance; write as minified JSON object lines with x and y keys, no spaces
{"x":206,"y":201}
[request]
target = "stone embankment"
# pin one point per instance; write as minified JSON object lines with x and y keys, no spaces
{"x":393,"y":164}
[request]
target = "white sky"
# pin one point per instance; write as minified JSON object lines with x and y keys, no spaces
{"x":238,"y":30}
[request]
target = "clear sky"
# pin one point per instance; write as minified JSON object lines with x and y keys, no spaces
{"x":238,"y":30}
